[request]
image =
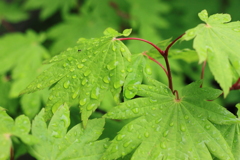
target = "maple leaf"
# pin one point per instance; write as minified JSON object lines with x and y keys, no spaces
{"x":82,"y":77}
{"x":167,"y":128}
{"x":48,"y":8}
{"x":217,"y":41}
{"x":8,"y":128}
{"x":57,"y":143}
{"x":232,"y":136}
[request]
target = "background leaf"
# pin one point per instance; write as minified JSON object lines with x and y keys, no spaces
{"x":56,"y":142}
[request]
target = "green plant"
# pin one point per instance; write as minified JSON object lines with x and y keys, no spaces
{"x":164,"y":123}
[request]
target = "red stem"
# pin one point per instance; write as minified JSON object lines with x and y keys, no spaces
{"x":202,"y":73}
{"x":159,"y":50}
{"x":173,"y":42}
{"x":154,"y":60}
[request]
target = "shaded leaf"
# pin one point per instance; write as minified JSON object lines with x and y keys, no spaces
{"x":81,"y":75}
{"x":57,"y":143}
{"x":167,"y":128}
{"x":217,"y":42}
{"x":19,"y":128}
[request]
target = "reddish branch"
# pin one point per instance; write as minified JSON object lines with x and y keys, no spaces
{"x":8,"y":26}
{"x":202,"y":73}
{"x":236,"y":85}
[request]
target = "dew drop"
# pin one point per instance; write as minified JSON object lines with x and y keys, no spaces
{"x":130,"y":128}
{"x":148,"y":70}
{"x":95,"y":93}
{"x":112,"y":65}
{"x":50,"y":97}
{"x":152,"y":100}
{"x":66,"y":84}
{"x":114,"y":149}
{"x":171,"y":124}
{"x":86,"y":73}
{"x":120,"y":137}
{"x":75,"y":94}
{"x":186,"y":117}
{"x":135,"y":110}
{"x":84,"y":60}
{"x":80,"y":65}
{"x":129,"y":94}
{"x":91,"y":107}
{"x":126,"y":144}
{"x":165,"y":133}
{"x":84,"y":81}
{"x":158,"y":121}
{"x":65,"y":64}
{"x":236,"y":29}
{"x":114,"y":48}
{"x":83,"y":101}
{"x":70,"y":58}
{"x":182,"y":128}
{"x":106,"y":79}
{"x":55,"y":134}
{"x":39,"y":85}
{"x":118,"y":84}
{"x":130,"y":69}
{"x":74,"y":76}
{"x":207,"y":126}
{"x":146,"y":134}
{"x":122,"y":49}
{"x":72,"y":69}
{"x":163,"y":145}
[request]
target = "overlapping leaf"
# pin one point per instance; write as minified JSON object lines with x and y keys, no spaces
{"x":81,"y":75}
{"x":57,"y":143}
{"x":20,"y":128}
{"x":50,"y":7}
{"x":232,"y":135}
{"x":217,"y":42}
{"x":166,"y":128}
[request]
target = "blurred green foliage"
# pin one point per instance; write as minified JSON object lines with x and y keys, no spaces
{"x":32,"y":31}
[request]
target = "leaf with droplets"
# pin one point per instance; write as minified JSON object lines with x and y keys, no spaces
{"x":57,"y":142}
{"x":166,"y":127}
{"x":232,"y":135}
{"x":81,"y":75}
{"x":8,"y":127}
{"x":217,"y":42}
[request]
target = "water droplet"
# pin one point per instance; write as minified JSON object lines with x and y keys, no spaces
{"x":146,"y":134}
{"x":183,"y":128}
{"x":112,"y":65}
{"x":130,"y":69}
{"x":72,"y":69}
{"x":80,"y":65}
{"x":95,"y":93}
{"x":165,"y":133}
{"x":65,"y":64}
{"x":171,"y":124}
{"x":50,"y":97}
{"x":74,"y":76}
{"x":163,"y":145}
{"x":236,"y":29}
{"x":55,"y":134}
{"x":84,"y":60}
{"x":120,"y":137}
{"x":158,"y":121}
{"x":84,"y":81}
{"x":148,"y":70}
{"x":86,"y":73}
{"x":207,"y":126}
{"x":135,"y":110}
{"x":129,"y":94}
{"x":126,"y":144}
{"x":83,"y":101}
{"x":122,"y":49}
{"x":66,"y":84}
{"x":114,"y":149}
{"x":39,"y":85}
{"x":152,"y":100}
{"x":114,"y":48}
{"x":70,"y":58}
{"x":130,"y":128}
{"x":75,"y":94}
{"x":65,"y":120}
{"x":91,"y":107}
{"x":118,"y":84}
{"x":106,"y":79}
{"x":186,"y":117}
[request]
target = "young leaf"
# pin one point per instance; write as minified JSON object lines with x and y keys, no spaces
{"x":166,"y":127}
{"x":57,"y":143}
{"x":20,"y":128}
{"x":83,"y":74}
{"x":217,"y":42}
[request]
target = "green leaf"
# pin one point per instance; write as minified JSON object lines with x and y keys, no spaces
{"x":20,"y":128}
{"x":238,"y":107}
{"x":82,"y":77}
{"x":48,"y":8}
{"x":217,"y":41}
{"x":166,"y":127}
{"x":12,"y":12}
{"x":57,"y":142}
{"x":232,"y":135}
